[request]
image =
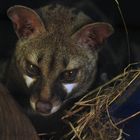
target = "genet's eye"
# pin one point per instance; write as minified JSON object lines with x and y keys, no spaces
{"x":69,"y":76}
{"x":32,"y":70}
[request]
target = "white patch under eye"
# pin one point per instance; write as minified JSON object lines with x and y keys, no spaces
{"x":33,"y":105}
{"x":29,"y":81}
{"x":69,"y":87}
{"x":55,"y":108}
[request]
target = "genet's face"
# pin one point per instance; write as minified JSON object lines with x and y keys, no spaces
{"x":56,"y":59}
{"x":55,"y":71}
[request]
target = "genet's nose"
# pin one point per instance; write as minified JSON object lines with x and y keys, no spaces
{"x":43,"y":106}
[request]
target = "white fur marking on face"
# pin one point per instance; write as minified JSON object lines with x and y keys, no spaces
{"x":69,"y":87}
{"x":55,"y":108}
{"x":32,"y":104}
{"x":29,"y":81}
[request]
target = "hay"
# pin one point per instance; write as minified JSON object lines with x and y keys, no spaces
{"x":89,"y":118}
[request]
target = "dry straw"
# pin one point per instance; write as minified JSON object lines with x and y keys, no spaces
{"x":89,"y":118}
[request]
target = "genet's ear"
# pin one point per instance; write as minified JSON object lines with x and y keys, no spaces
{"x":94,"y":34}
{"x":26,"y":21}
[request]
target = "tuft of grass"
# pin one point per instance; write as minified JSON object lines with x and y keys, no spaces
{"x":90,"y":118}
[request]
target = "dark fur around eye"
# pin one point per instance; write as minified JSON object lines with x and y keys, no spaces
{"x":32,"y":70}
{"x":68,"y":76}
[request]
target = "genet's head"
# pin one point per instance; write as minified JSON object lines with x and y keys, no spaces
{"x":56,"y":65}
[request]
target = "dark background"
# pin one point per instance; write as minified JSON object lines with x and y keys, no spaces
{"x":115,"y":59}
{"x":130,"y":9}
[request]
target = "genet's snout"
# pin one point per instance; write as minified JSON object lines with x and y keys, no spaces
{"x":44,"y":107}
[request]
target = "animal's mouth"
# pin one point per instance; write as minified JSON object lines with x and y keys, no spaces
{"x":45,"y":108}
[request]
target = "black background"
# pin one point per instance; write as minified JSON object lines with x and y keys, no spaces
{"x":130,"y":9}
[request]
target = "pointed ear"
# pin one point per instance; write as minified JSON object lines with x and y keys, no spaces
{"x":92,"y":35}
{"x":26,"y":21}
